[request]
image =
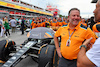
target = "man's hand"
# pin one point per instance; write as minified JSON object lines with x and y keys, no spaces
{"x":58,"y":52}
{"x":82,"y":59}
{"x":57,"y":46}
{"x":87,"y":43}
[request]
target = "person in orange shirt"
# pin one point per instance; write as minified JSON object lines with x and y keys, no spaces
{"x":72,"y":36}
{"x":54,"y":24}
{"x":83,"y":22}
{"x":47,"y":23}
{"x":43,"y":23}
{"x":96,"y":27}
{"x":65,"y":22}
{"x":59,"y":22}
{"x":39,"y":23}
{"x":34,"y":24}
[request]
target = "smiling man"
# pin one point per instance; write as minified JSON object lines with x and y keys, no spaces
{"x":72,"y":37}
{"x":91,"y":58}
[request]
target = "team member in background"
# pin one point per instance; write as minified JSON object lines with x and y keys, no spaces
{"x":54,"y":24}
{"x":72,"y":36}
{"x":43,"y":22}
{"x":39,"y":23}
{"x":59,"y":22}
{"x":65,"y":21}
{"x":83,"y":22}
{"x":34,"y":24}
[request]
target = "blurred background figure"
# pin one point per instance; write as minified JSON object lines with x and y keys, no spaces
{"x":2,"y":27}
{"x":83,"y":22}
{"x":7,"y":27}
{"x":13,"y":24}
{"x":22,"y":25}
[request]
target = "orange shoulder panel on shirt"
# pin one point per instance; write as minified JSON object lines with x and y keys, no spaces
{"x":53,"y":24}
{"x":96,"y":27}
{"x":64,"y":23}
{"x":39,"y":25}
{"x":34,"y":25}
{"x":59,"y":24}
{"x":43,"y":24}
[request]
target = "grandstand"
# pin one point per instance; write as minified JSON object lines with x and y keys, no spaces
{"x":18,"y":8}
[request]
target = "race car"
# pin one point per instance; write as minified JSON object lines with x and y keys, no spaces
{"x":39,"y":45}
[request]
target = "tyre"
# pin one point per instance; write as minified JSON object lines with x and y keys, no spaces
{"x":5,"y":48}
{"x":48,"y":56}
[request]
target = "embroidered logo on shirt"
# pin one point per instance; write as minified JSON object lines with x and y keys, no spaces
{"x":76,"y":36}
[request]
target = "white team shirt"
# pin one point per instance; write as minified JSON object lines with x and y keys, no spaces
{"x":94,"y":53}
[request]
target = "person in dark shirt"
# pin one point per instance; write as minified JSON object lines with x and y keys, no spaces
{"x":22,"y":25}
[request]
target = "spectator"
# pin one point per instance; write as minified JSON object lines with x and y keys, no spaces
{"x":7,"y":27}
{"x":13,"y":24}
{"x":20,"y":21}
{"x":2,"y":27}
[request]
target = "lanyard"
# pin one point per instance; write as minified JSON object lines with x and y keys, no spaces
{"x":71,"y":34}
{"x":68,"y":41}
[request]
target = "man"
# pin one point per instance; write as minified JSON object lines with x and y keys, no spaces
{"x":91,"y":58}
{"x":13,"y":24}
{"x":83,"y":22}
{"x":22,"y":25}
{"x":72,"y":37}
{"x":54,"y":24}
{"x":20,"y":21}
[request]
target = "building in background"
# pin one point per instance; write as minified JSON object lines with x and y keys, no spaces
{"x":18,"y":8}
{"x":53,"y":9}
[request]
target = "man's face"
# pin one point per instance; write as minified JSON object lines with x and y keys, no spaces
{"x":53,"y":19}
{"x":97,"y":12}
{"x":74,"y":17}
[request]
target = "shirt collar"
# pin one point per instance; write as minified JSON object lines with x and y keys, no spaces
{"x":77,"y":27}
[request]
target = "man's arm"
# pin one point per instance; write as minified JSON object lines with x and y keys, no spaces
{"x":57,"y":46}
{"x":82,"y":60}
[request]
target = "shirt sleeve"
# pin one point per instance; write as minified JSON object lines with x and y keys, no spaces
{"x":57,"y":34}
{"x":89,"y":34}
{"x":10,"y":21}
{"x":94,"y":53}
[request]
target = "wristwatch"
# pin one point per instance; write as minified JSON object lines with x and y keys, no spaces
{"x":83,"y":46}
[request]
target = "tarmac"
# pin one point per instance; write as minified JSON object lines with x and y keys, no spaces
{"x":19,"y":39}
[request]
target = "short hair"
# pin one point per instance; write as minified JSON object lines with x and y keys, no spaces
{"x":98,"y":1}
{"x":72,"y":10}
